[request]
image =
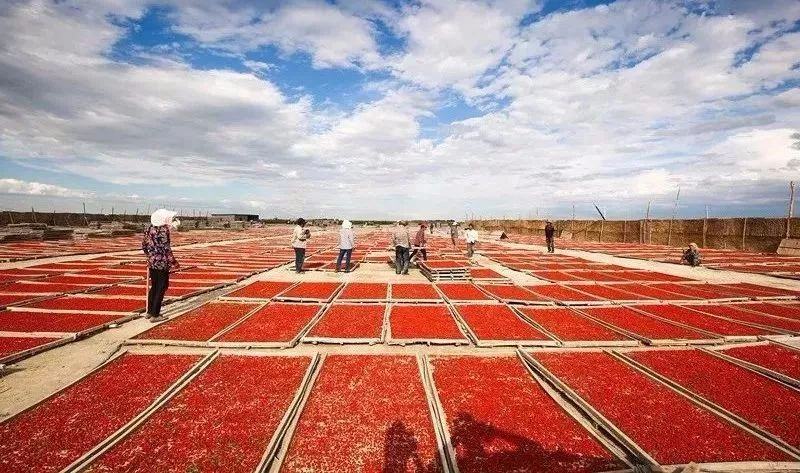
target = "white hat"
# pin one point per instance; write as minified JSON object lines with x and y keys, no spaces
{"x":161,"y":217}
{"x":347,"y":224}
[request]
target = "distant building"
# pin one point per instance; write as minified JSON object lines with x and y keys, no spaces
{"x":234,"y":217}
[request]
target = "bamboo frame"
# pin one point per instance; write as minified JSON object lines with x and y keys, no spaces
{"x":87,"y":458}
{"x":276,"y":441}
{"x":652,"y":341}
{"x":348,"y":341}
{"x":425,"y":341}
{"x":774,"y":375}
{"x":716,"y":409}
{"x":638,"y":454}
{"x":578,"y":343}
{"x":504,"y":343}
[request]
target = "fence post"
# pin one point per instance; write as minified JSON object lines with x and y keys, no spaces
{"x":744,"y":233}
{"x":791,"y":210}
{"x":624,"y":231}
{"x":705,"y":228}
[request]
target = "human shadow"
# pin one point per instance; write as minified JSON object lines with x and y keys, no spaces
{"x":401,"y":452}
{"x":481,"y":447}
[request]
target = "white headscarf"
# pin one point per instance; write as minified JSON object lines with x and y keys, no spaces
{"x":347,"y":224}
{"x":162,"y":217}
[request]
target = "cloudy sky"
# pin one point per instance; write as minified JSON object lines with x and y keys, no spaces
{"x":360,"y":108}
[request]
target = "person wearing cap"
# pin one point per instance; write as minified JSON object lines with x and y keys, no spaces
{"x":299,"y":237}
{"x":401,"y":241}
{"x":471,"y":235}
{"x":347,"y":240}
{"x":160,"y":260}
{"x":549,"y":233}
{"x":454,"y":232}
{"x":419,"y":243}
{"x":692,"y":255}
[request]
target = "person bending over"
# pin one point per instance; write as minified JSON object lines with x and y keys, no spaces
{"x":692,"y":255}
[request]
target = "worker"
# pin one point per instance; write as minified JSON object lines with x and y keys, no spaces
{"x":160,"y":260}
{"x":299,"y":238}
{"x":471,"y":235}
{"x":347,"y":240}
{"x":692,"y":255}
{"x":401,"y":241}
{"x":549,"y":234}
{"x":420,"y":243}
{"x":454,"y":232}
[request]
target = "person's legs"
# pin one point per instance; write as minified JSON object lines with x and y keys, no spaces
{"x":151,"y":293}
{"x":160,"y":284}
{"x":398,"y":259}
{"x":470,"y":249}
{"x":550,"y":245}
{"x":299,"y":257}
{"x":347,"y":255}
{"x":339,"y":260}
{"x":424,"y":254}
{"x":406,"y":259}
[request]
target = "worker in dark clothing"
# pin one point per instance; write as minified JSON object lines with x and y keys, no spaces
{"x":549,"y":234}
{"x":419,"y":244}
{"x":692,"y":255}
{"x":160,"y":260}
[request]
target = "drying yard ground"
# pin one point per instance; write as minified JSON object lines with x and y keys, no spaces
{"x":521,"y":361}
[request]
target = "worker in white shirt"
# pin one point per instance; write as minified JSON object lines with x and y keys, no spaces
{"x":299,"y":238}
{"x":347,"y":240}
{"x":401,"y":241}
{"x":471,"y":235}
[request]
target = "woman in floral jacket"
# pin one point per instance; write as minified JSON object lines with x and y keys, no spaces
{"x":160,"y":260}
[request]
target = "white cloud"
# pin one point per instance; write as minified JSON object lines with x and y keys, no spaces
{"x":65,"y":104}
{"x":454,"y":43}
{"x":369,"y":140}
{"x":623,"y":102}
{"x":332,"y":35}
{"x":16,"y":186}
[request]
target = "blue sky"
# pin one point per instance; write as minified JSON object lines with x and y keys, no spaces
{"x":362,"y":108}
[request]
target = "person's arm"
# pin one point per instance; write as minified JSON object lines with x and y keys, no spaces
{"x":147,"y":242}
{"x":173,"y":263}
